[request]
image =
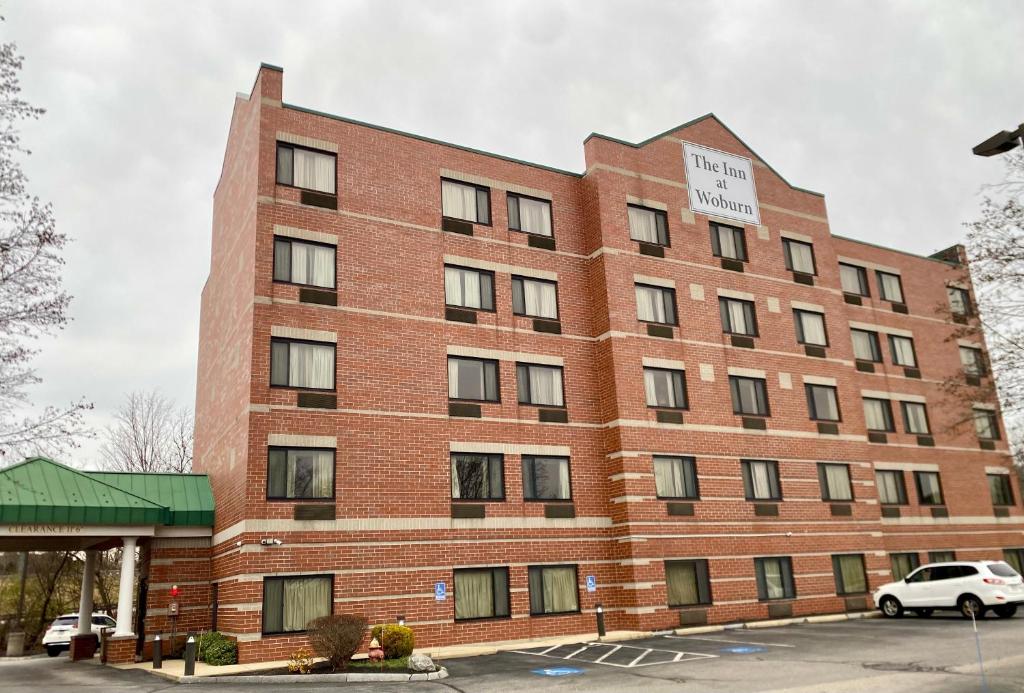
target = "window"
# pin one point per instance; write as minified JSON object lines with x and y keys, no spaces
{"x":799,"y":256}
{"x":878,"y":415}
{"x":749,"y":396}
{"x":466,"y":202}
{"x":299,"y":262}
{"x":535,"y":298}
{"x":985,"y":424}
{"x":835,"y":482}
{"x":728,"y":242}
{"x":290,"y":603}
{"x":891,"y":488}
{"x":774,"y":578}
{"x":529,"y":215}
{"x":308,"y":365}
{"x":854,"y":280}
{"x":648,"y":225}
{"x":546,"y":478}
{"x":468,"y":288}
{"x":903,"y":564}
{"x":738,"y":316}
{"x":1015,"y":557}
{"x":810,"y":328}
{"x":1000,"y":489}
{"x":889,"y":287}
{"x":296,"y":473}
{"x":761,"y":480}
{"x":959,"y":301}
{"x":942,"y":557}
{"x":665,"y":388}
{"x":915,"y":418}
{"x":866,"y":346}
{"x":477,"y":476}
{"x":822,"y":402}
{"x":306,"y":168}
{"x":655,"y":304}
{"x":473,"y":379}
{"x":675,"y":477}
{"x":553,"y":589}
{"x":687,"y":583}
{"x":850,"y":575}
{"x":902,"y":349}
{"x":972,"y":361}
{"x":929,"y":488}
{"x":481,"y":593}
{"x":540,"y":385}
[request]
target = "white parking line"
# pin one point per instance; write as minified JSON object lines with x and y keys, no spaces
{"x":582,"y":649}
{"x":611,"y":651}
{"x":729,"y":641}
{"x":639,"y":657}
{"x":637,"y":661}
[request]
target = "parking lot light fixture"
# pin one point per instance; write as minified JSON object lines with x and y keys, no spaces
{"x":1000,"y":143}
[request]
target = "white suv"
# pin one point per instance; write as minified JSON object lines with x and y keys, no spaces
{"x":970,"y":587}
{"x":58,"y":635}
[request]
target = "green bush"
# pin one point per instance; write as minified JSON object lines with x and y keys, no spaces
{"x":336,"y":637}
{"x":216,"y":649}
{"x":396,"y":640}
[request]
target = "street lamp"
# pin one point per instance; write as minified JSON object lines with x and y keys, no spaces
{"x":1000,"y":142}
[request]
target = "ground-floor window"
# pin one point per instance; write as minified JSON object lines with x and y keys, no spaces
{"x":553,"y":589}
{"x":1015,"y":557}
{"x":774,"y":578}
{"x":941,"y":556}
{"x":481,"y":593}
{"x":851,"y":578}
{"x":289,"y":603}
{"x":687,"y":583}
{"x":903,"y":564}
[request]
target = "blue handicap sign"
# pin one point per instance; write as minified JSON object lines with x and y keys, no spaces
{"x":440,"y":591}
{"x":557,"y":671}
{"x":743,"y":649}
{"x":591,"y":583}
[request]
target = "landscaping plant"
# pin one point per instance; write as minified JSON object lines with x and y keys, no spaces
{"x":396,"y":640}
{"x":337,"y":637}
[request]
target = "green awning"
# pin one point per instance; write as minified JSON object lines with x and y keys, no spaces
{"x":41,"y":491}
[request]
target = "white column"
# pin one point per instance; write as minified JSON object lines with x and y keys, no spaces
{"x":85,"y":603}
{"x":125,"y":593}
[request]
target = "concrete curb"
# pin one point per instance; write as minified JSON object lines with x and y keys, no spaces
{"x":754,"y":625}
{"x":348,"y":677}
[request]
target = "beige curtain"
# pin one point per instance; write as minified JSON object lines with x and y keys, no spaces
{"x":760,"y":479}
{"x":813,"y":327}
{"x":738,"y":318}
{"x":838,"y":479}
{"x":863,"y":345}
{"x":312,"y":264}
{"x":458,"y":201}
{"x":903,"y":351}
{"x":545,"y":386}
{"x":643,"y":225}
{"x":461,"y":288}
{"x":681,"y":579}
{"x":535,"y":216}
{"x":668,"y":477}
{"x":539,"y":299}
{"x":659,"y":388}
{"x":727,"y":243}
{"x":649,"y":304}
{"x":849,"y":279}
{"x":874,"y":415}
{"x":314,"y":171}
{"x":304,"y":600}
{"x":888,"y":488}
{"x":901,"y":566}
{"x":1013,"y":557}
{"x":891,"y":289}
{"x":560,"y":590}
{"x":852,"y":570}
{"x":917,"y":422}
{"x":773,"y":582}
{"x":474,"y":594}
{"x":801,"y":258}
{"x":311,"y":365}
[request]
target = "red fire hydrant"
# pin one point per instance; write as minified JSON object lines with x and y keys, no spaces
{"x":376,"y":653}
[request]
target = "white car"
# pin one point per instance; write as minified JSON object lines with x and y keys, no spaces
{"x":970,"y":587}
{"x":58,"y":635}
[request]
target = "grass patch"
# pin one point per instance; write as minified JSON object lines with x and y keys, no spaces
{"x":400,"y":664}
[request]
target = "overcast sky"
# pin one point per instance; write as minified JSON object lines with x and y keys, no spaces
{"x":874,"y":104}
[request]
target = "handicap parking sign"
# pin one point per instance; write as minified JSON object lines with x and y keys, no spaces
{"x":591,"y":583}
{"x":440,"y":591}
{"x":557,"y":671}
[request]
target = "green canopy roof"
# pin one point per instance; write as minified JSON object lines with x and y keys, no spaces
{"x":39,"y":491}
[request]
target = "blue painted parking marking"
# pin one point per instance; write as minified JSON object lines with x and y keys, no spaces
{"x":558,"y":671}
{"x":743,"y":649}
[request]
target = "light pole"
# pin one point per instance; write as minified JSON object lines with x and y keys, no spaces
{"x":1000,"y":142}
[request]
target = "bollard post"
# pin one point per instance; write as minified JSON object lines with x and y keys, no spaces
{"x":600,"y":621}
{"x":158,"y":652}
{"x":190,"y":656}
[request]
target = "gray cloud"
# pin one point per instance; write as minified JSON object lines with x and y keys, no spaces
{"x":875,"y":104}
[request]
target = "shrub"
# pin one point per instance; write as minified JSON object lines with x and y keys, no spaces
{"x":336,"y":637}
{"x":301,"y":661}
{"x":396,"y":640}
{"x":217,"y":649}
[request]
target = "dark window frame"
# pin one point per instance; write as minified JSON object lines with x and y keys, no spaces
{"x":826,"y":494}
{"x":901,"y":487}
{"x":518,"y":196}
{"x":881,"y":287}
{"x":786,"y":572}
{"x":527,"y":365}
{"x":289,"y":386}
{"x":788,"y":258}
{"x":927,"y":419}
{"x":689,"y":462}
{"x":291,"y":241}
{"x":1008,"y":488}
{"x":727,"y":326}
{"x":876,"y":345}
{"x":915,"y":560}
{"x":737,"y":231}
{"x":733,"y":391}
{"x":524,"y":314}
{"x":289,"y":145}
{"x":703,"y":577}
{"x":497,"y":378}
{"x":891,"y":338}
{"x":774,"y":481}
{"x":533,"y":461}
{"x":887,"y":407}
{"x":980,"y":360}
{"x":837,"y":572}
{"x":968,"y":303}
{"x":812,"y":409}
{"x":490,"y":457}
{"x":862,"y":279}
{"x":993,"y":421}
{"x":683,"y":389}
{"x":664,"y":239}
{"x":298,"y":499}
{"x":800,"y":338}
{"x":479,"y":188}
{"x":542,"y":568}
{"x":920,"y":492}
{"x":1017,"y":553}
{"x":494,"y":594}
{"x":663,"y":289}
{"x":286,"y":578}
{"x":494,"y":291}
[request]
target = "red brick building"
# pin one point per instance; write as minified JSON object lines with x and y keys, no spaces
{"x":427,"y":371}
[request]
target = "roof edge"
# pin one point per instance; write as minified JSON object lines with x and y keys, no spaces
{"x":896,"y":250}
{"x":86,"y":475}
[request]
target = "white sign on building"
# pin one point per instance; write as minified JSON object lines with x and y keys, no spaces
{"x":721,"y":184}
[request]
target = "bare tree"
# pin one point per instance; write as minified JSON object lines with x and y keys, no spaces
{"x":150,"y":434}
{"x":33,"y":302}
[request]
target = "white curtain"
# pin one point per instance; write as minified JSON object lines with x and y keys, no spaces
{"x":838,"y":479}
{"x":650,"y":307}
{"x":738,"y":318}
{"x":801,"y":257}
{"x":917,"y":422}
{"x":983,"y":424}
{"x":874,"y":415}
{"x":311,"y":365}
{"x":727,"y":243}
{"x":849,"y":279}
{"x":903,"y":351}
{"x":888,"y":487}
{"x":458,"y":201}
{"x":957,"y":304}
{"x":863,"y":345}
{"x":774,"y":585}
{"x":539,"y":299}
{"x":760,"y":480}
{"x":643,"y":225}
{"x":825,"y":405}
{"x":813,"y":326}
{"x":314,"y":171}
{"x":312,"y":467}
{"x":545,"y":385}
{"x":890,"y":285}
{"x":971,"y":360}
{"x":304,"y":600}
{"x":535,"y":216}
{"x":659,"y":388}
{"x":461,"y":287}
{"x":312,"y":264}
{"x":668,"y":478}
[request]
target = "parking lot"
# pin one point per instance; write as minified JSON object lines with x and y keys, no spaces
{"x":937,"y":655}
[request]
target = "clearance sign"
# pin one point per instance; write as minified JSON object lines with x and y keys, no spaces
{"x":721,"y":184}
